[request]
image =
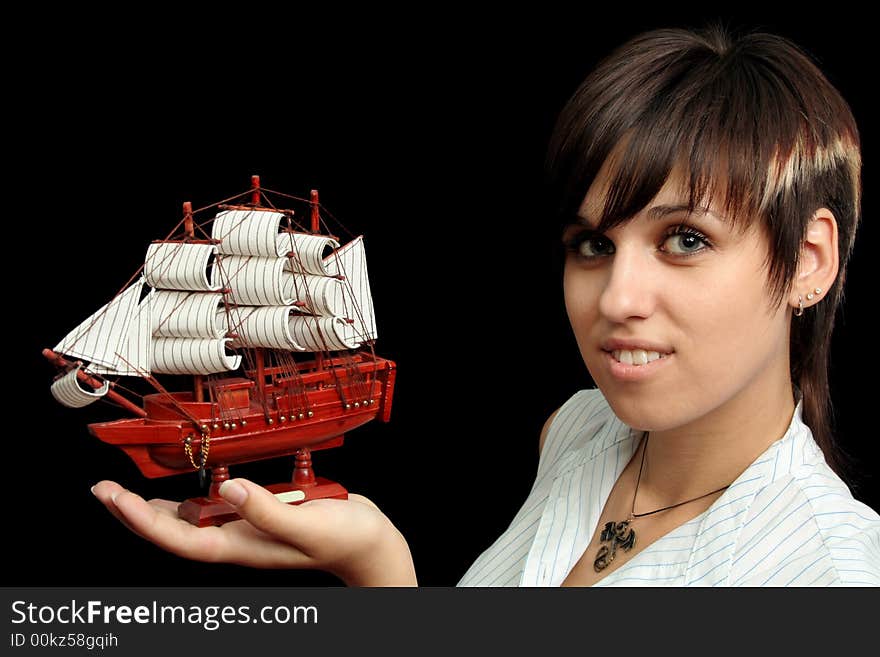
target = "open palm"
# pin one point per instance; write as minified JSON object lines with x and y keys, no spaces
{"x":338,"y":536}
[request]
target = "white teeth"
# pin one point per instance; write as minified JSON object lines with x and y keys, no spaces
{"x":636,"y":357}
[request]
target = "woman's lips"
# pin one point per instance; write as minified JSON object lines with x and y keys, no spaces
{"x":624,"y":372}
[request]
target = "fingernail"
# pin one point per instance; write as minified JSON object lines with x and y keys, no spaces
{"x":114,"y":496}
{"x":233,"y":492}
{"x":93,"y":489}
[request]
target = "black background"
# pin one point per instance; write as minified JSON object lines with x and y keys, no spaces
{"x":427,"y":134}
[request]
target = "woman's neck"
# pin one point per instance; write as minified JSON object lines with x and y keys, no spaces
{"x":714,"y":450}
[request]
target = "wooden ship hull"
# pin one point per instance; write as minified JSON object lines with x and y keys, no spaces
{"x":157,"y":442}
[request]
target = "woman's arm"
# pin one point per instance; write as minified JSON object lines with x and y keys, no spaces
{"x":545,"y":430}
{"x":351,"y":538}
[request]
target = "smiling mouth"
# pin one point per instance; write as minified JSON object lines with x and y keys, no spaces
{"x":636,"y":357}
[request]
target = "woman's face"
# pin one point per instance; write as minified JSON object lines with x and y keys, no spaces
{"x":690,"y":287}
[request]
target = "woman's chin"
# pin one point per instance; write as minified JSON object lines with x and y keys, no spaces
{"x":638,"y":412}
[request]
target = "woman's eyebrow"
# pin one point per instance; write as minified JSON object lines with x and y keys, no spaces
{"x":658,"y":212}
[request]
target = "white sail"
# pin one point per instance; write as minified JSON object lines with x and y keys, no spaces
{"x":248,"y":232}
{"x":134,"y":355}
{"x":265,"y":327}
{"x":192,"y":356}
{"x":180,"y":266}
{"x":350,"y":261}
{"x":253,"y":281}
{"x":307,"y":252}
{"x":99,"y":339}
{"x":188,"y":315}
{"x":321,"y":333}
{"x":322,"y":295}
{"x":68,"y":391}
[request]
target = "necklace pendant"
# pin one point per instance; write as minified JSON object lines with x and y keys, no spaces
{"x":614,"y":535}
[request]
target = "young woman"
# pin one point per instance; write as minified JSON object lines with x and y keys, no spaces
{"x":710,"y":192}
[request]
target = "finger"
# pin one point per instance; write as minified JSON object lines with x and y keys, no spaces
{"x":293,"y":525}
{"x":236,"y":542}
{"x":158,"y":523}
{"x":105,"y":491}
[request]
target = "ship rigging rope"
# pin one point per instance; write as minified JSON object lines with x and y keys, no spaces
{"x":356,"y":376}
{"x":370,"y":392}
{"x":234,"y":320}
{"x":358,"y":379}
{"x":199,"y":226}
{"x":297,"y":389}
{"x":226,"y":200}
{"x":233,"y":314}
{"x":116,"y":384}
{"x":100,"y":316}
{"x":170,"y":237}
{"x":294,"y":388}
{"x":192,"y":418}
{"x":215,"y":396}
{"x":183,"y":299}
{"x":155,"y":383}
{"x":295,"y":198}
{"x":227,"y":412}
{"x":289,"y":219}
{"x":202,"y":209}
{"x":323,"y":209}
{"x":297,"y":266}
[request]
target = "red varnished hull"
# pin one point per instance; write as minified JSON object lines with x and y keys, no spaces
{"x":156,"y":443}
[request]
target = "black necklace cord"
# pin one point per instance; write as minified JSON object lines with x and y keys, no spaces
{"x":633,"y":513}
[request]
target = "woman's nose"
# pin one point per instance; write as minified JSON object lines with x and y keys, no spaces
{"x":630,"y":286}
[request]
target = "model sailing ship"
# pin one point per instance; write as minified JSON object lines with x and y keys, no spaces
{"x":274,"y":323}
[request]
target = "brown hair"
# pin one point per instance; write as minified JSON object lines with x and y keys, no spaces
{"x":750,"y":117}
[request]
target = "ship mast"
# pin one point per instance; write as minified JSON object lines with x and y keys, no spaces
{"x":258,"y":352}
{"x":316,"y":228}
{"x":190,"y":231}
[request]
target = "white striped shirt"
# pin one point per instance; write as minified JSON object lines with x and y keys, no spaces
{"x":787,"y":520}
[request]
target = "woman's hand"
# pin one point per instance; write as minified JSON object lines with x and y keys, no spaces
{"x":350,"y":538}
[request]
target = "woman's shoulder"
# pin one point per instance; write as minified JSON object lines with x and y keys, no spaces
{"x":584,"y":418}
{"x":806,"y":528}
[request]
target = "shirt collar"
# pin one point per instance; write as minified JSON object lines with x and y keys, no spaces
{"x":798,"y":440}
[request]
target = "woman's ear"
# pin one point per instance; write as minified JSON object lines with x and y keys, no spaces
{"x":819,"y":259}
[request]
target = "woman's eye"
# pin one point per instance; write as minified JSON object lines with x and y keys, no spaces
{"x":686,"y":241}
{"x":589,"y":245}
